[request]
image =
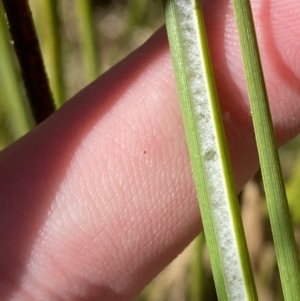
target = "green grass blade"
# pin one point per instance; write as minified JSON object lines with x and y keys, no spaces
{"x":88,"y":38}
{"x":284,"y":241}
{"x":52,"y":49}
{"x":293,"y":193}
{"x":208,"y":151}
{"x":12,"y":98}
{"x":197,"y":281}
{"x":30,"y":59}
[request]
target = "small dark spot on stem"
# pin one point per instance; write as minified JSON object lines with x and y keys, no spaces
{"x":210,"y":155}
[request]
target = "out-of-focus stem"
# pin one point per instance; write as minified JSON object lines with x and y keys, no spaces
{"x":12,"y":99}
{"x":88,"y":38}
{"x":30,"y":59}
{"x":53,"y":51}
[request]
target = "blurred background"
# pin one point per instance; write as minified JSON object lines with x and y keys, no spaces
{"x":81,"y":39}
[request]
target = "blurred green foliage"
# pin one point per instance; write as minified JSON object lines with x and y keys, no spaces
{"x":79,"y":40}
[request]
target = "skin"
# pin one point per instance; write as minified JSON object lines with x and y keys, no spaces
{"x":99,"y":198}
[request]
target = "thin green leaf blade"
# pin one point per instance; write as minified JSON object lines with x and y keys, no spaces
{"x":284,"y":241}
{"x":208,"y":151}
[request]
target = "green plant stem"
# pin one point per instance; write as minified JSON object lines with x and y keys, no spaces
{"x":285,"y":246}
{"x":30,"y":59}
{"x":293,"y":193}
{"x":88,"y":38}
{"x":53,"y":50}
{"x":208,"y":151}
{"x":198,"y":281}
{"x":12,"y":98}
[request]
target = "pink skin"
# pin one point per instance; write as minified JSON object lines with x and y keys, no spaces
{"x":99,"y":198}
